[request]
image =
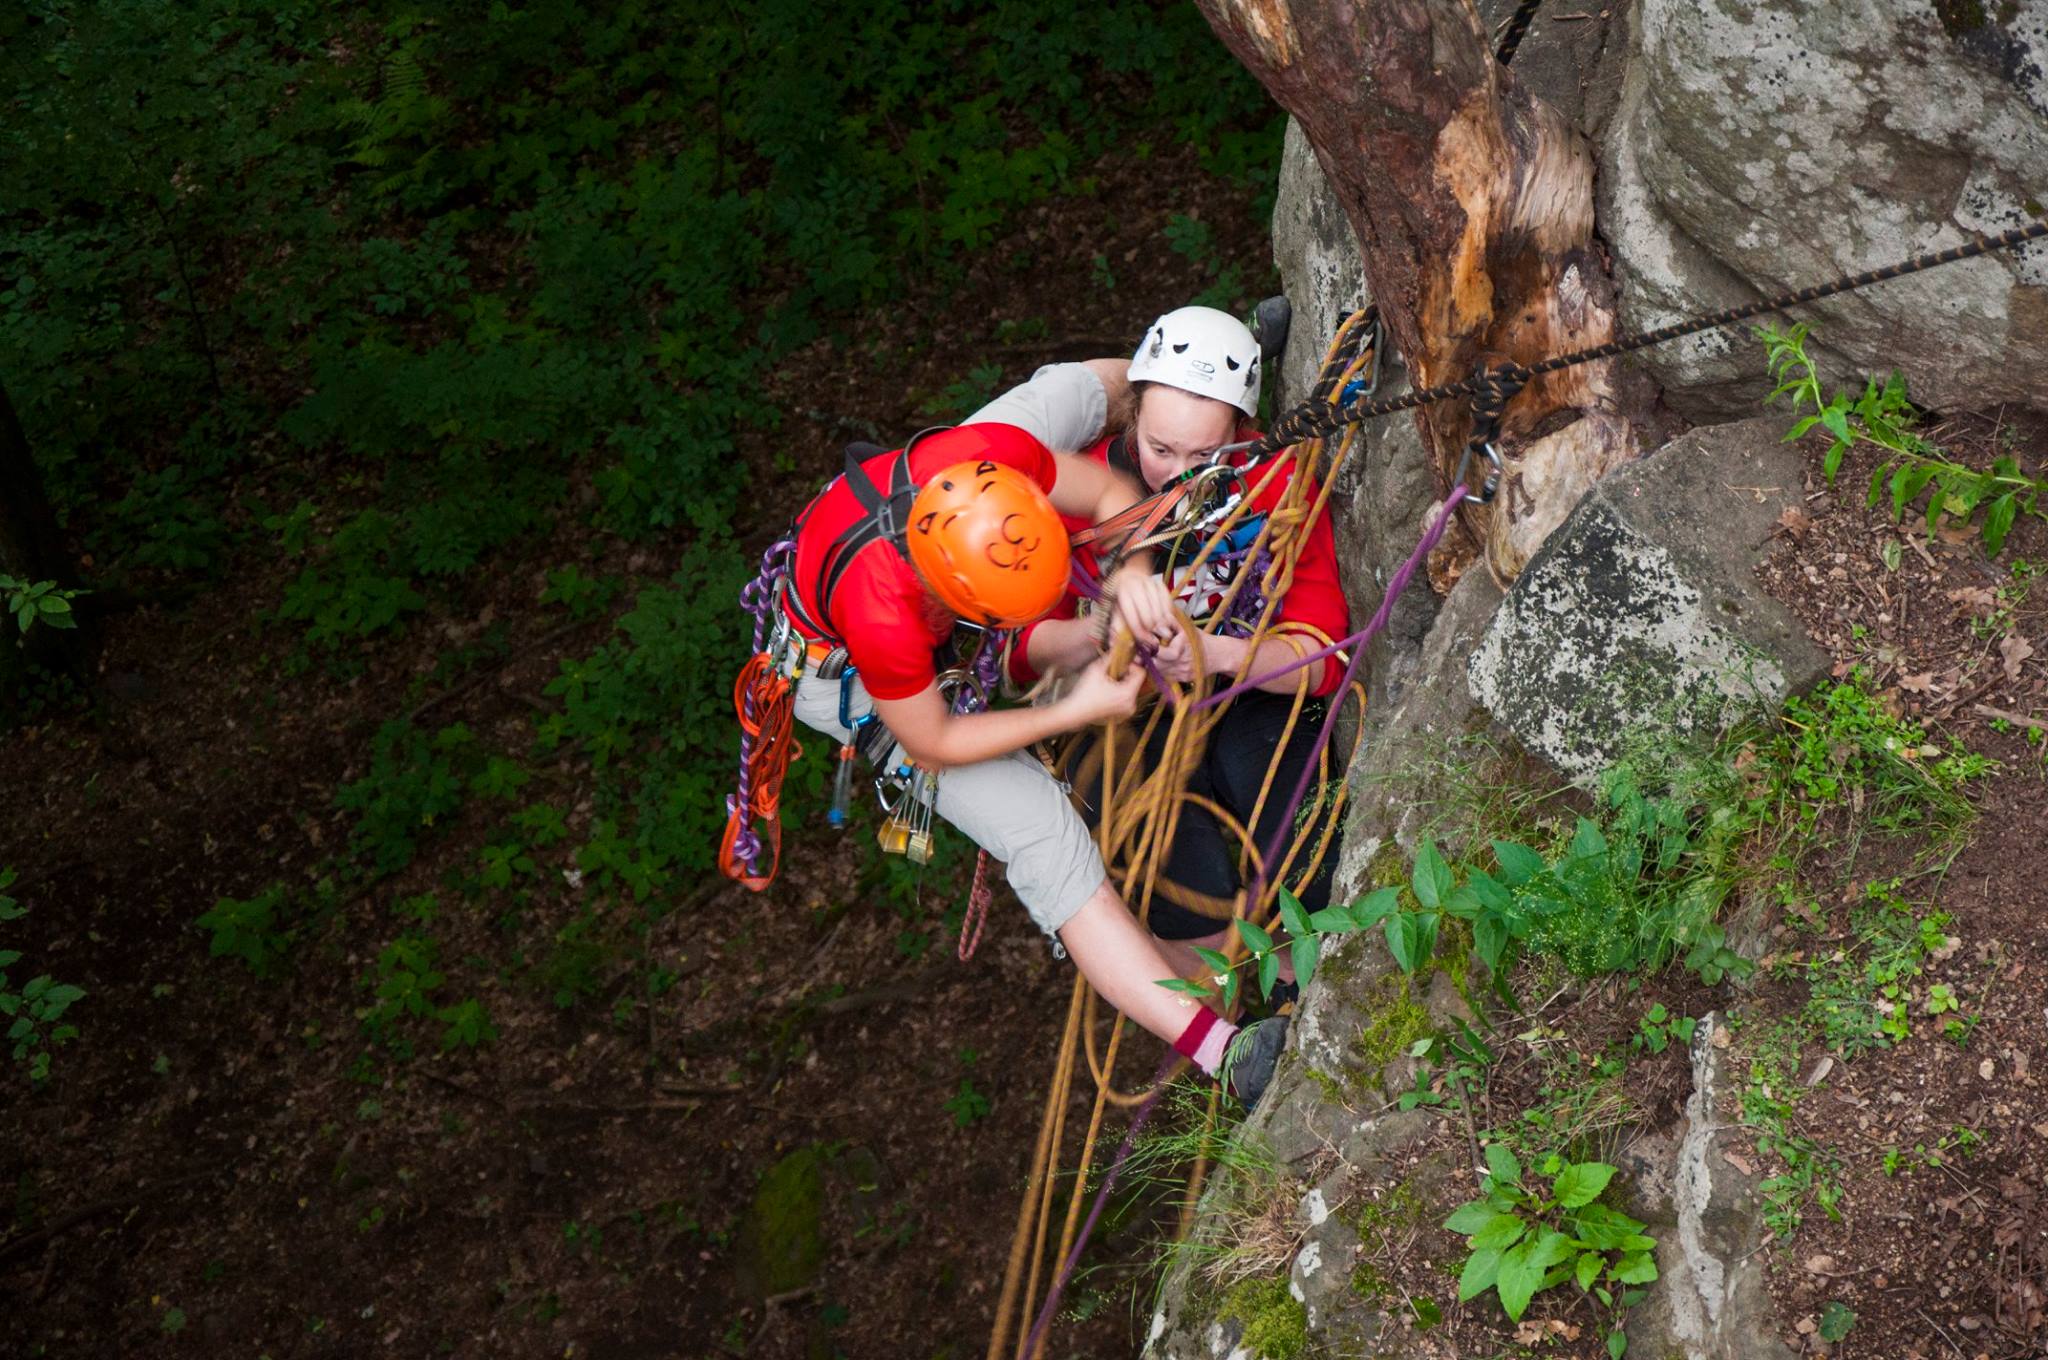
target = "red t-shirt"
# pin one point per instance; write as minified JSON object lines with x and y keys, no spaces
{"x":1315,"y":597}
{"x":891,"y":624}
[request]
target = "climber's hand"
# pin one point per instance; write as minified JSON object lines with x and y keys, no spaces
{"x":1144,"y":605}
{"x":1097,"y":698}
{"x":1175,"y":659}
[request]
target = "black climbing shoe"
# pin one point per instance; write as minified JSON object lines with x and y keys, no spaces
{"x":1285,"y":998}
{"x":1250,"y":1057}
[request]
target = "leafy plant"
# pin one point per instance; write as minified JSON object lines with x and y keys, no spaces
{"x":1908,"y":466}
{"x":1522,"y":1240}
{"x":36,"y":1007}
{"x":1658,"y":1028}
{"x":33,"y":602}
{"x":967,"y":1105}
{"x":250,"y":929}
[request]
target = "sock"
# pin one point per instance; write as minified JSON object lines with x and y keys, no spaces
{"x":1204,"y":1040}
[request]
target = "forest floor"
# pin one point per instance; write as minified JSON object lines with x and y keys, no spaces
{"x":213,"y":1165}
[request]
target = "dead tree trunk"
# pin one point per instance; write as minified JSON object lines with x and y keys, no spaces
{"x":29,"y":550}
{"x":1473,"y":204}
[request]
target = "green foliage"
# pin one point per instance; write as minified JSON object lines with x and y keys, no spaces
{"x":1521,"y":1241}
{"x":1909,"y":467}
{"x":1658,"y":1029}
{"x":967,"y":1105}
{"x":1770,"y":1099}
{"x":1841,"y":746}
{"x":1860,"y":995}
{"x":35,"y":1008}
{"x":1835,"y":1321}
{"x":33,"y":602}
{"x":251,"y":930}
{"x":412,"y":780}
{"x":402,"y":984}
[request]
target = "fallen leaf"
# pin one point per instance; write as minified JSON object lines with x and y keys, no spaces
{"x":2015,"y":650}
{"x":1739,"y":1162}
{"x":1722,"y":1038}
{"x":1794,"y":521}
{"x":1820,"y":1263}
{"x":1922,"y":683}
{"x":1948,"y":946}
{"x":1974,"y":601}
{"x":1986,"y":1068}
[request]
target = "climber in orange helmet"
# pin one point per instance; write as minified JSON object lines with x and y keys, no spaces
{"x":964,"y":525}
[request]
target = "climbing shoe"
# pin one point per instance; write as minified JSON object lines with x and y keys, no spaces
{"x":1250,"y":1057}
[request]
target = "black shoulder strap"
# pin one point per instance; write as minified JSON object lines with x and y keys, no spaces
{"x":888,"y":516}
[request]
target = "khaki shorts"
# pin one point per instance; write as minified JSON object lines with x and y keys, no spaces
{"x":1010,"y":807}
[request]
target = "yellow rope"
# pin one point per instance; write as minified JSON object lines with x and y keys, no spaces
{"x":1137,"y":827}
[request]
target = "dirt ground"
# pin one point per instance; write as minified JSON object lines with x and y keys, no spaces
{"x":211,"y":1168}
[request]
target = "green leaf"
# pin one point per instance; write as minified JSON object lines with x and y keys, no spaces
{"x":1183,"y":986}
{"x":1269,"y":973}
{"x":1617,"y":1344}
{"x":1588,"y":1269}
{"x":1411,"y":938}
{"x":1468,"y":1219}
{"x":1501,"y":1230}
{"x":1501,"y":1162}
{"x":1432,"y":877}
{"x":1518,"y":1279}
{"x":1635,"y":1268}
{"x":1230,"y":988}
{"x":1998,"y":522}
{"x":1581,"y":1184}
{"x":1214,"y":958}
{"x":1306,"y":949}
{"x":1490,"y":939}
{"x":1463,"y":904}
{"x":1332,"y":921}
{"x":1255,"y":938}
{"x":1835,"y":1321}
{"x":1518,"y":863}
{"x":1831,"y":462}
{"x":1482,"y":1270}
{"x":1837,"y":421}
{"x":1370,"y":910}
{"x":1488,"y":890}
{"x":1292,"y":914}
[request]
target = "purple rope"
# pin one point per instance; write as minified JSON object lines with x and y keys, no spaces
{"x":1116,"y":1169}
{"x":1283,"y":827}
{"x":757,"y":597}
{"x":1357,"y":642}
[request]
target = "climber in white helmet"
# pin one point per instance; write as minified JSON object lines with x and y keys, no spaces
{"x":1191,"y":388}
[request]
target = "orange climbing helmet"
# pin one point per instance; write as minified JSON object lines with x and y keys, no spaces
{"x":986,"y":540}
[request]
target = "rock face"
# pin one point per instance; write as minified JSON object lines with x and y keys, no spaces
{"x":1711,"y":1301}
{"x":1765,"y":146}
{"x":1642,"y":614}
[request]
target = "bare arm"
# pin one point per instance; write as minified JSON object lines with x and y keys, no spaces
{"x":934,"y":737}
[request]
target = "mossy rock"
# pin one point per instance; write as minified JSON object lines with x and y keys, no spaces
{"x":1275,"y":1323}
{"x":781,"y":1241}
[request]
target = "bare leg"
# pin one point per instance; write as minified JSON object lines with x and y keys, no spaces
{"x":1124,"y":963}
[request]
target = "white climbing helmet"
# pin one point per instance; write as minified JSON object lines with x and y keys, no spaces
{"x":1204,"y":351}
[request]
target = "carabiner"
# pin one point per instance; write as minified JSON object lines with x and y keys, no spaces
{"x":1485,"y":492}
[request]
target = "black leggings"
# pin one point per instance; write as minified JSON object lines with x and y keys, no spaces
{"x":1204,"y":855}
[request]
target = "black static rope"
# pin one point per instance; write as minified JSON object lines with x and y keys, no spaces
{"x":1311,"y":421}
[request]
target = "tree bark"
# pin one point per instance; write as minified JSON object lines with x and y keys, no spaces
{"x":1473,"y":204}
{"x":30,"y":549}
